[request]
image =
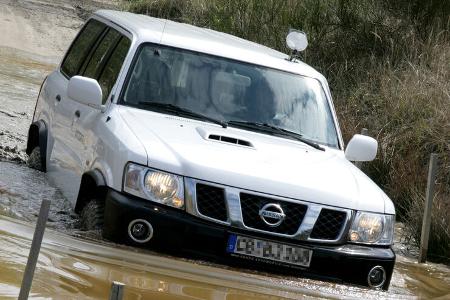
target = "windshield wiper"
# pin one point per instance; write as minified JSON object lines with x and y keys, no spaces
{"x":179,"y":111}
{"x":274,"y":129}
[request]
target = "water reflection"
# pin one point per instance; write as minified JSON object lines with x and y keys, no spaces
{"x":75,"y":268}
{"x":69,"y":267}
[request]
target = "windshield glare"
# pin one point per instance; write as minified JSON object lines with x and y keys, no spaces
{"x":230,"y":90}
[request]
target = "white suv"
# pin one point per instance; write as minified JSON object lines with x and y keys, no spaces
{"x":186,"y":139}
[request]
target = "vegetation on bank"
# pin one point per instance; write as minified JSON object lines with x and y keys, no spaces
{"x":388,"y":65}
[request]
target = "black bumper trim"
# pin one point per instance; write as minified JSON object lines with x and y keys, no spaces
{"x":177,"y":232}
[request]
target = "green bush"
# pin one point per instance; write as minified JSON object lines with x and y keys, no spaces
{"x":388,"y":65}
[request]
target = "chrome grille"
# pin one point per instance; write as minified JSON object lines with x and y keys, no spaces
{"x":239,"y":208}
{"x":252,"y":204}
{"x":211,"y":202}
{"x":329,"y":224}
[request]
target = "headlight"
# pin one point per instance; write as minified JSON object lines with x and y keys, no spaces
{"x":370,"y":228}
{"x":154,"y":185}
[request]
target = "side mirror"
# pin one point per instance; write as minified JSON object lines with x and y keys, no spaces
{"x":86,"y":91}
{"x":361,"y":148}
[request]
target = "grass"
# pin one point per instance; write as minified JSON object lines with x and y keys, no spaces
{"x":388,"y":65}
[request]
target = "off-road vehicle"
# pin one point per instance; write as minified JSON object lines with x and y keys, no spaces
{"x":175,"y":137}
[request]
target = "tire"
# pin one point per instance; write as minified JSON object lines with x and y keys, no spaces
{"x":34,"y":159}
{"x":92,"y":215}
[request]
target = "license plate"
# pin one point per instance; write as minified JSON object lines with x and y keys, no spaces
{"x":267,"y":250}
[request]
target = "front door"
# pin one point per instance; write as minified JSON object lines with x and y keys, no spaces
{"x":65,"y":163}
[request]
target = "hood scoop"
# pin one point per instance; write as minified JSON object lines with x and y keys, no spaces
{"x":231,"y":140}
{"x":224,"y":137}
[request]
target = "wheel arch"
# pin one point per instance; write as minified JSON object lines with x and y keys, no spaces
{"x":93,"y":185}
{"x":37,"y":136}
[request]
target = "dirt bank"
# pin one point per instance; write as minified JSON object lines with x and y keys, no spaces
{"x":33,"y":37}
{"x":43,"y":27}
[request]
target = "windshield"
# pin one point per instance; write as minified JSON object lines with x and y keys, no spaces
{"x":230,"y":90}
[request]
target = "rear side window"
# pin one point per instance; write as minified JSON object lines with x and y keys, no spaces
{"x":112,"y":68}
{"x":81,"y":47}
{"x":100,"y":55}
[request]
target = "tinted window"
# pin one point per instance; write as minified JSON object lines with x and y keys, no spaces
{"x":81,"y":47}
{"x":109,"y":74}
{"x":100,"y":54}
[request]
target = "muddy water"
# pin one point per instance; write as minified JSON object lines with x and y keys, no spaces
{"x":73,"y":267}
{"x":21,"y":192}
{"x":69,"y":267}
{"x":20,"y":76}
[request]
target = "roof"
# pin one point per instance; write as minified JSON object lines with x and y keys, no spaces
{"x":148,"y":29}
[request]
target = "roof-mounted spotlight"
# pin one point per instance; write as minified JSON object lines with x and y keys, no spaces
{"x":297,"y":41}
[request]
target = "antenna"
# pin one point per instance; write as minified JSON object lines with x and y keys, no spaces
{"x":162,"y":33}
{"x":166,"y":20}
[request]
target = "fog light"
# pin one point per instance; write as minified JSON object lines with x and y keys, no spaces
{"x":140,"y":231}
{"x":376,"y":277}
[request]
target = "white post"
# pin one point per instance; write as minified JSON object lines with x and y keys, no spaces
{"x":425,"y":235}
{"x":116,"y":291}
{"x":34,"y":250}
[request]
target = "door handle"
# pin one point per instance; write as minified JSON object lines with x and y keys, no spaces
{"x":58,"y":98}
{"x":77,"y":114}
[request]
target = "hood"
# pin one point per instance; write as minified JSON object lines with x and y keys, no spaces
{"x":252,"y":161}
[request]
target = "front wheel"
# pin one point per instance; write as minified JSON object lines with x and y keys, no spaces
{"x":35,"y":160}
{"x":92,"y":215}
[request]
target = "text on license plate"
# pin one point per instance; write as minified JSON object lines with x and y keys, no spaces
{"x":269,"y":250}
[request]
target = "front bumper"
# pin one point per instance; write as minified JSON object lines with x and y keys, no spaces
{"x":177,"y":232}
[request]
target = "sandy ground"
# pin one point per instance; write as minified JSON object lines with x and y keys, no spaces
{"x":43,"y":27}
{"x":34,"y":35}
